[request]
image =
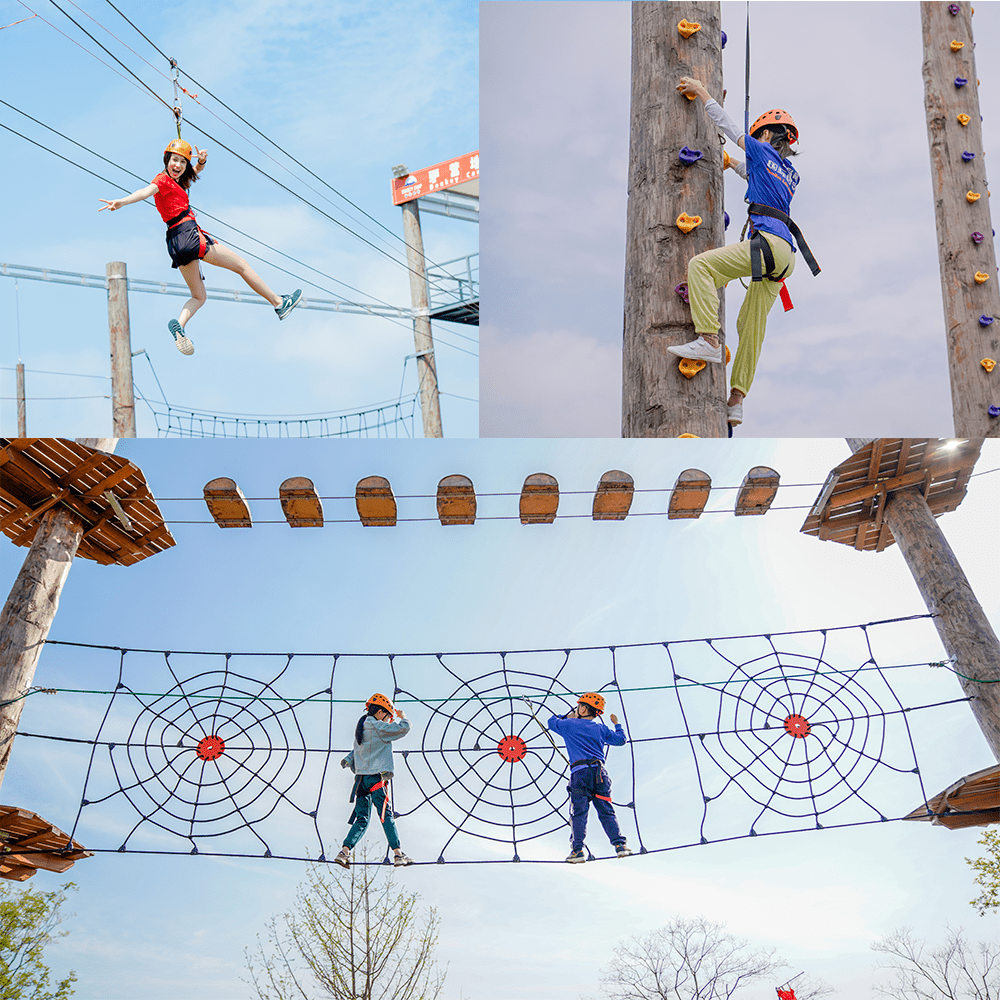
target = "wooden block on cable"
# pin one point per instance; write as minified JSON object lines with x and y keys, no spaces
{"x":690,"y":494}
{"x":301,"y":505}
{"x":456,"y":500}
{"x":613,"y":497}
{"x":226,"y":504}
{"x":539,"y":499}
{"x":375,"y":502}
{"x":757,"y":493}
{"x":28,"y":842}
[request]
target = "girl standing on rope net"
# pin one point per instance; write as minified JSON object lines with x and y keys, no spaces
{"x":188,"y":243}
{"x":771,"y":182}
{"x":585,"y":737}
{"x":371,"y":762}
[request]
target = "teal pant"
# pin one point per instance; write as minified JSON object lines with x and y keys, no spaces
{"x":364,"y":799}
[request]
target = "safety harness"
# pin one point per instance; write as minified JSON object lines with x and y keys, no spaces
{"x":357,"y":792}
{"x":591,"y":762}
{"x":762,"y":257}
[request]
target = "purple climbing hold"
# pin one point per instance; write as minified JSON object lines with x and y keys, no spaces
{"x":985,"y":320}
{"x":682,"y":290}
{"x":725,"y":216}
{"x":978,"y":237}
{"x":723,"y":39}
{"x":953,"y":9}
{"x":968,"y":156}
{"x":690,"y":156}
{"x":960,"y":81}
{"x":994,"y":411}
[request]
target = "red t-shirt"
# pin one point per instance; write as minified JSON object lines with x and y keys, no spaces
{"x":171,"y":199}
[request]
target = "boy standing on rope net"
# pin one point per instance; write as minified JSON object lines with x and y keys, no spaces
{"x":585,"y":737}
{"x":771,"y":182}
{"x":188,"y":243}
{"x":371,"y":762}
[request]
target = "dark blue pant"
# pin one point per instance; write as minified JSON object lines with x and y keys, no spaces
{"x":586,"y":785}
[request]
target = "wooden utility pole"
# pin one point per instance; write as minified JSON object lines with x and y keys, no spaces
{"x":963,"y":627}
{"x":430,"y":405}
{"x":122,"y":394}
{"x":966,"y":245}
{"x":27,"y":616}
{"x":657,"y":400}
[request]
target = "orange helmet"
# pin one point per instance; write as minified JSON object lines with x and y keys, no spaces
{"x":594,"y":700}
{"x":777,"y":117}
{"x":381,"y":701}
{"x":181,"y":148}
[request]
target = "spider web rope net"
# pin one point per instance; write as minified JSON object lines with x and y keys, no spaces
{"x":238,"y":754}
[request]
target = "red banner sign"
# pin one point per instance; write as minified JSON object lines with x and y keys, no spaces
{"x":450,"y":173}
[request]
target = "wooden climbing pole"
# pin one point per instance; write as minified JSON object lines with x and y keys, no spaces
{"x":657,"y":400}
{"x":966,"y":245}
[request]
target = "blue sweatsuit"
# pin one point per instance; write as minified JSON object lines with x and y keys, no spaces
{"x":588,"y":781}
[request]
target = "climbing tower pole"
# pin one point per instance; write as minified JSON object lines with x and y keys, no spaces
{"x":962,"y":625}
{"x":966,"y":245}
{"x":657,"y":399}
{"x":122,"y":394}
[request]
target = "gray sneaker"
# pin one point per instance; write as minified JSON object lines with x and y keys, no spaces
{"x":288,"y":303}
{"x":622,"y":851}
{"x":343,"y":858}
{"x":184,"y":345}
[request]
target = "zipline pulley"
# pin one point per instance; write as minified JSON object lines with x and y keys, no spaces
{"x":178,"y":113}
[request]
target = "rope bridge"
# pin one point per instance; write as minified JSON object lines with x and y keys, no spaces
{"x":237,"y":754}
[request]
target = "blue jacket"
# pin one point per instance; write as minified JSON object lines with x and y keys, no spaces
{"x":374,"y":754}
{"x":586,"y":738}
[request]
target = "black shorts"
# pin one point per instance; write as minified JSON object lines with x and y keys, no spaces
{"x":187,"y":242}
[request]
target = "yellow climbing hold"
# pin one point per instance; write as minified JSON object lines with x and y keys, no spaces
{"x":980,"y":277}
{"x":971,"y":197}
{"x":964,"y":119}
{"x":726,"y":159}
{"x":988,"y":363}
{"x":955,"y":46}
{"x":688,"y":28}
{"x":687,"y":435}
{"x":685,"y":222}
{"x":728,"y":355}
{"x":689,"y":367}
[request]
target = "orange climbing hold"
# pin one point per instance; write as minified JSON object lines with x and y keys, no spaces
{"x":688,"y":28}
{"x":980,"y":277}
{"x":972,"y":197}
{"x":689,"y":367}
{"x":726,"y":159}
{"x":988,"y":363}
{"x":685,"y":223}
{"x":955,"y":46}
{"x":687,"y":435}
{"x":964,"y":119}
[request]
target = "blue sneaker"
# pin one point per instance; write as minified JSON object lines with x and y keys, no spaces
{"x":576,"y":857}
{"x":184,"y":345}
{"x":288,"y":303}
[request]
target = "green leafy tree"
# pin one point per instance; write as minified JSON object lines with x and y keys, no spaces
{"x":28,"y":922}
{"x":987,"y":873}
{"x":351,"y":935}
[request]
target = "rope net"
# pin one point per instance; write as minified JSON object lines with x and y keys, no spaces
{"x":238,"y":754}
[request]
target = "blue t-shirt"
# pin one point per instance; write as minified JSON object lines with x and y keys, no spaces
{"x":585,"y":738}
{"x":770,"y":181}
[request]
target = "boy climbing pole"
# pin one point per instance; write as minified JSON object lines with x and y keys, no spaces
{"x":768,"y":257}
{"x":585,"y":737}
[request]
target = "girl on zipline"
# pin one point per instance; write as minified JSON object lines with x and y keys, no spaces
{"x":371,"y":762}
{"x":188,"y":243}
{"x":771,"y":182}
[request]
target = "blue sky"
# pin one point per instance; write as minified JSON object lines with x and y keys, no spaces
{"x":863,"y":351}
{"x":178,"y":925}
{"x":350,"y":90}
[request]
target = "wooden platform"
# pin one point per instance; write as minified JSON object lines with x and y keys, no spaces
{"x":51,"y":849}
{"x":613,"y":496}
{"x":971,"y":801}
{"x":39,"y":473}
{"x":539,"y":499}
{"x":851,"y":505}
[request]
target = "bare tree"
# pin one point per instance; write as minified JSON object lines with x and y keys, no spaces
{"x":690,"y":960}
{"x":954,"y":970}
{"x":353,"y":935}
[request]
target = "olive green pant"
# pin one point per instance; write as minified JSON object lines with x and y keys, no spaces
{"x":712,"y":269}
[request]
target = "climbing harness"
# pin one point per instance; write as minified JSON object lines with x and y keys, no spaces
{"x":357,"y":792}
{"x":755,"y":208}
